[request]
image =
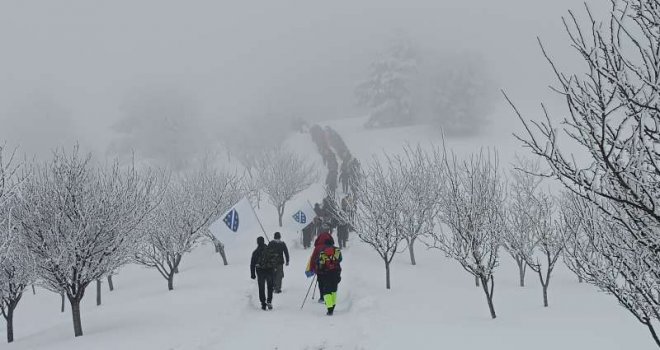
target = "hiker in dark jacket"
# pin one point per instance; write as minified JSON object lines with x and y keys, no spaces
{"x":262,"y":268}
{"x":282,"y":252}
{"x":328,"y":272}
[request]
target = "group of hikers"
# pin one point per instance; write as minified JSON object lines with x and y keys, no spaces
{"x":327,"y":219}
{"x":268,"y":261}
{"x":329,"y":143}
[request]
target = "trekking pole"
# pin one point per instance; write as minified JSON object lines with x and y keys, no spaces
{"x":306,"y":295}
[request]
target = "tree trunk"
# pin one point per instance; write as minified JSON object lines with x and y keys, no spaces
{"x":387,"y":275}
{"x":217,"y":247}
{"x":280,"y":213}
{"x":522,"y":269}
{"x":75,"y":313}
{"x":10,"y":323}
{"x":34,"y":292}
{"x":411,"y":249}
{"x":488,"y":290}
{"x":653,"y":333}
{"x":110,"y":285}
{"x":221,"y":250}
{"x":170,"y":281}
{"x":476,"y":281}
{"x":545,"y":295}
{"x":62,"y":307}
{"x":98,"y":292}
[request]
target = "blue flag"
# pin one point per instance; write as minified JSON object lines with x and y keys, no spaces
{"x":232,"y":220}
{"x":300,"y":217}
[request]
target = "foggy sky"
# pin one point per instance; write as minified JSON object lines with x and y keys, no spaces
{"x":67,"y":67}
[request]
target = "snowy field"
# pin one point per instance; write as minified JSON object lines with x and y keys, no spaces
{"x":434,"y":305}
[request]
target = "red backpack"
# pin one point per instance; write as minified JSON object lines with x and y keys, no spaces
{"x":329,"y":259}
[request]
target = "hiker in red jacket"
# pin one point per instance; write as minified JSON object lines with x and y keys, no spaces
{"x":328,"y":272}
{"x":319,"y":243}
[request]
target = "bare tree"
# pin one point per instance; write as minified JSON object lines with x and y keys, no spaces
{"x":419,"y":207}
{"x":189,"y":205}
{"x":377,"y":214}
{"x":547,"y":238}
{"x":16,"y":273}
{"x":472,"y":206}
{"x":602,"y":252}
{"x":614,"y":119}
{"x":518,"y":238}
{"x":283,"y":174}
{"x":79,"y":220}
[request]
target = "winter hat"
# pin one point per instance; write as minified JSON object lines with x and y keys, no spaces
{"x":277,"y":235}
{"x":260,"y":240}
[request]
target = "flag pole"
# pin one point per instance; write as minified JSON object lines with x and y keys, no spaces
{"x":259,"y":221}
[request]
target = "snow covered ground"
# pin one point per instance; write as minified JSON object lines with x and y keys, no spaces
{"x":434,"y":305}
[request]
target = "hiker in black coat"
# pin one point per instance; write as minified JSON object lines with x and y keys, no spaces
{"x":282,"y":252}
{"x":264,"y":275}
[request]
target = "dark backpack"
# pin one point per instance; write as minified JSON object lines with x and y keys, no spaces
{"x":329,"y":259}
{"x":267,"y":259}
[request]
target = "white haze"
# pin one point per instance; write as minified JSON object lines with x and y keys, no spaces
{"x":72,"y":70}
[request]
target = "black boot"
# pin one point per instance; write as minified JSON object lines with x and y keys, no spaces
{"x":331,"y":310}
{"x":263,"y":306}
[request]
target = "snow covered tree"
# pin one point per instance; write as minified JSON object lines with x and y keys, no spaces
{"x":613,"y":120}
{"x":78,"y":220}
{"x":162,"y":125}
{"x":601,"y":251}
{"x":461,"y":94}
{"x":190,"y":203}
{"x":11,"y":177}
{"x":283,"y":174}
{"x":547,"y":237}
{"x":419,"y":205}
{"x":518,"y":238}
{"x":377,"y":212}
{"x":387,"y":90}
{"x":472,"y":206}
{"x":17,"y":271}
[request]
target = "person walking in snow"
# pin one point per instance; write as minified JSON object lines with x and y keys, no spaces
{"x":262,"y":268}
{"x":312,"y":263}
{"x":328,"y":273}
{"x":282,"y":252}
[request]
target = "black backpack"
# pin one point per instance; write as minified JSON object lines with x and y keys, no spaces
{"x":268,"y":259}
